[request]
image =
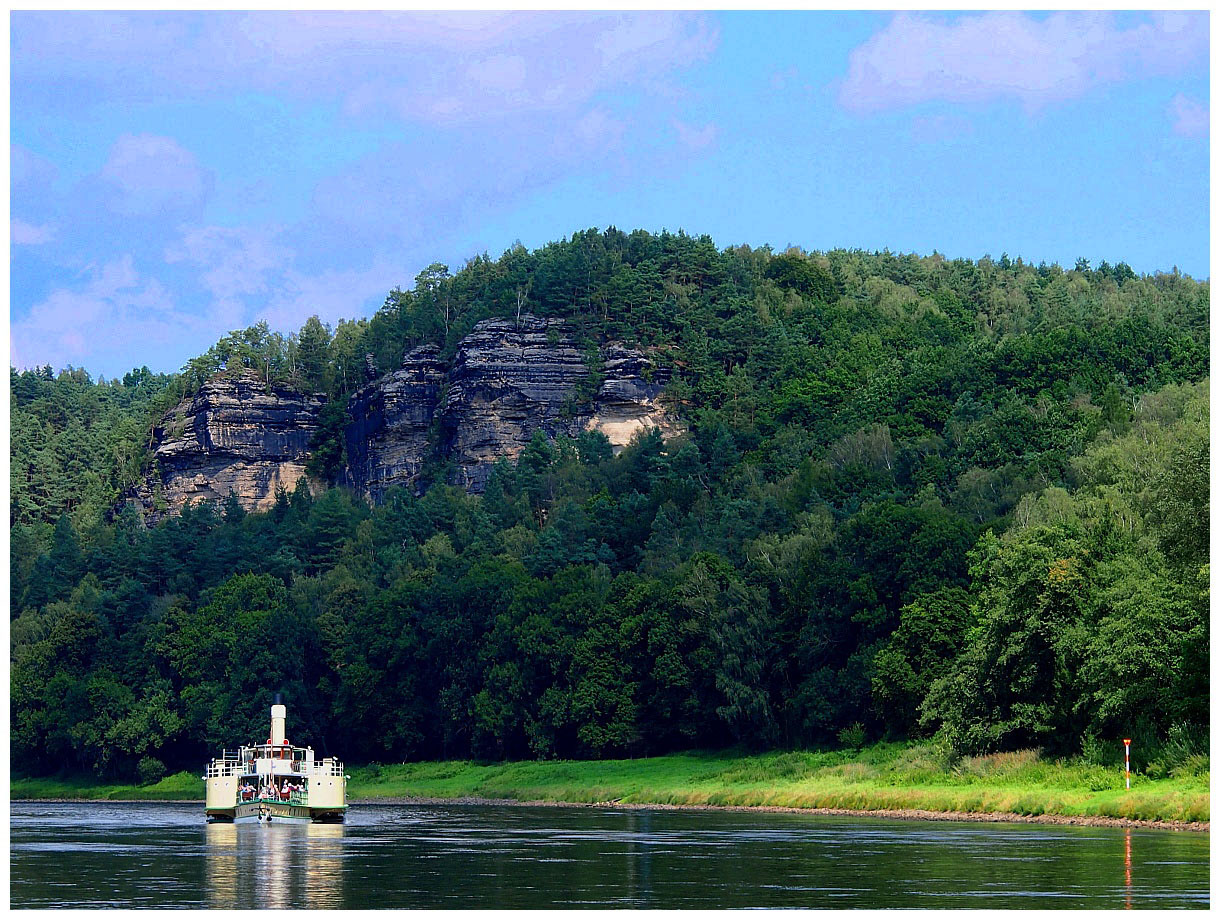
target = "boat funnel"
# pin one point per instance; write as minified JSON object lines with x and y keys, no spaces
{"x":278,"y":713}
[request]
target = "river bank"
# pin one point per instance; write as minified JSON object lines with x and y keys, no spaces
{"x":902,"y":814}
{"x":885,"y":780}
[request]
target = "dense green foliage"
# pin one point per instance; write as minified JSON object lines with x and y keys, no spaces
{"x":915,"y":495}
{"x":76,"y":444}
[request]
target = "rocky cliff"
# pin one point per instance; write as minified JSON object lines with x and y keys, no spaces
{"x":235,"y":435}
{"x":508,"y":379}
{"x":390,"y":423}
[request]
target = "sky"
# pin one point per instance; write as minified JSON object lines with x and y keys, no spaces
{"x":175,"y":176}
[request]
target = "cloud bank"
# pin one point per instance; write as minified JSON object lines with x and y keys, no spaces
{"x":1014,"y":56}
{"x":148,"y":174}
{"x":437,"y":68}
{"x":1190,"y":117}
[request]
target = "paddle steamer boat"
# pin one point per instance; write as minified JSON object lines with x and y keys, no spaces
{"x":275,"y":783}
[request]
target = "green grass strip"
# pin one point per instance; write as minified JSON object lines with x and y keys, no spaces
{"x":881,"y":777}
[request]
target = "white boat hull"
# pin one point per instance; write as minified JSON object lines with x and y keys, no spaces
{"x":272,"y":819}
{"x":265,"y":812}
{"x":269,"y":812}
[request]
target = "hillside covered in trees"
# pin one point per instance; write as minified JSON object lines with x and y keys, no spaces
{"x":914,"y":495}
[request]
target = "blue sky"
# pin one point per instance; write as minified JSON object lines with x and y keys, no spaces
{"x":176,"y":176}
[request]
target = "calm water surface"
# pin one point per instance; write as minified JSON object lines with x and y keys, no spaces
{"x":161,"y":855}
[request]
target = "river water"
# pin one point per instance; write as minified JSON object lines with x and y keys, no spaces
{"x":451,"y":856}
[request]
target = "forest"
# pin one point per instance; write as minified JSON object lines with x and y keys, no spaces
{"x":916,"y":497}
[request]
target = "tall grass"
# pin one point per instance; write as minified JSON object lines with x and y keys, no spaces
{"x":884,"y":776}
{"x":185,"y":785}
{"x":880,"y":777}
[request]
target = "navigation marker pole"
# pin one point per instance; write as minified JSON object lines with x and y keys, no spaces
{"x":1127,"y":746}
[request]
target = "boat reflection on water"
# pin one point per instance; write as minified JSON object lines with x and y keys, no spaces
{"x":639,"y":857}
{"x":221,"y":865}
{"x":324,"y":867}
{"x":257,"y":866}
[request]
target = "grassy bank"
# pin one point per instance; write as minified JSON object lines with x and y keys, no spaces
{"x":885,"y":776}
{"x":881,"y":777}
{"x":185,"y":785}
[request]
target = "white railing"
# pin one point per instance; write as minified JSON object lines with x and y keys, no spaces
{"x":246,"y":762}
{"x":326,"y":767}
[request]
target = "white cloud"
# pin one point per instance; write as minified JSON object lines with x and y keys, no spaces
{"x":1008,"y":55}
{"x":457,"y":67}
{"x":235,"y":262}
{"x":23,"y":234}
{"x":415,"y":194}
{"x":96,"y":322}
{"x":149,"y":174}
{"x":332,"y":295}
{"x":116,"y":317}
{"x":1190,"y":117}
{"x":635,"y":41}
{"x":250,"y":274}
{"x":521,"y":100}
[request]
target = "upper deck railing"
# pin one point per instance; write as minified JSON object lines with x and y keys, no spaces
{"x":327,"y":767}
{"x":244,"y":762}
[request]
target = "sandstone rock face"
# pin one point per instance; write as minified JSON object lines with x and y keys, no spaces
{"x":232,"y":436}
{"x":508,"y":379}
{"x":390,"y":422}
{"x":627,"y":401}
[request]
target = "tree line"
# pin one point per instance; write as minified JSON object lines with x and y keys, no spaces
{"x":916,"y":495}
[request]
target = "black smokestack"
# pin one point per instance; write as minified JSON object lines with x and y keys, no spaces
{"x":279,"y":699}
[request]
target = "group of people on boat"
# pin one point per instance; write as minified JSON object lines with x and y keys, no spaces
{"x":284,"y":791}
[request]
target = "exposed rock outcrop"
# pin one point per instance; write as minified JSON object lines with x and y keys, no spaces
{"x":233,"y":436}
{"x":628,"y":400}
{"x":391,"y":419}
{"x":509,"y":379}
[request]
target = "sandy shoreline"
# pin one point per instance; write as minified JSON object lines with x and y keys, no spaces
{"x":900,"y":814}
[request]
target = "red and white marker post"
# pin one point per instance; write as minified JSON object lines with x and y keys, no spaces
{"x":1127,"y":747}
